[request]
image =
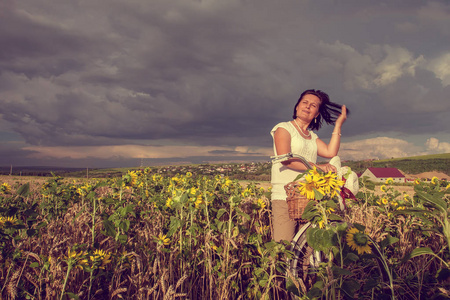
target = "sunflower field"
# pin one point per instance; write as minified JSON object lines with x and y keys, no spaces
{"x":150,"y":236}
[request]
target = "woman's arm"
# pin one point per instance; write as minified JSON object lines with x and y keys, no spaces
{"x":332,"y":149}
{"x":282,"y":140}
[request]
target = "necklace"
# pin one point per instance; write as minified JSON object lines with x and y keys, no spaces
{"x":301,"y":131}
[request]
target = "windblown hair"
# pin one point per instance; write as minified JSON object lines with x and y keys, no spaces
{"x":328,"y":111}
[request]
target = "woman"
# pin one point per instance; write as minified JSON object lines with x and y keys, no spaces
{"x":296,"y":137}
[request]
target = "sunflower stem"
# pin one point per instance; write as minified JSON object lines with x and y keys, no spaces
{"x":386,"y":267}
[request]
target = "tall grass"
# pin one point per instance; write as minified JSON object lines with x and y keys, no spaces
{"x":147,"y":236}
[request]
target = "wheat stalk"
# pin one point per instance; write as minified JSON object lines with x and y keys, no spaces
{"x":11,"y":288}
{"x":298,"y":282}
{"x":150,"y":291}
{"x":169,"y":293}
{"x":180,"y":281}
{"x":118,"y":292}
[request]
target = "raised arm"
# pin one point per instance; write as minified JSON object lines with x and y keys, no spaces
{"x":332,"y":149}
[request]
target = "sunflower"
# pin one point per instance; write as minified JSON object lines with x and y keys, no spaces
{"x":100,"y":258}
{"x":5,"y":188}
{"x":312,"y":183}
{"x":169,"y":202}
{"x":163,"y":240}
{"x":198,"y":201}
{"x":260,"y":204}
{"x":314,"y":172}
{"x":331,"y":184}
{"x":358,"y":241}
{"x":434,"y":180}
{"x":130,"y":179}
{"x":307,"y":189}
{"x":8,"y":220}
{"x":389,"y":180}
{"x":78,"y":259}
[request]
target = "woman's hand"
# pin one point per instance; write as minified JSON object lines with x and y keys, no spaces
{"x":327,"y":168}
{"x":342,"y":117}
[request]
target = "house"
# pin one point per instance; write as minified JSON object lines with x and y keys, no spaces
{"x":381,"y":174}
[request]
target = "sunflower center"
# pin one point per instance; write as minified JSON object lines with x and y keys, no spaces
{"x":360,"y":239}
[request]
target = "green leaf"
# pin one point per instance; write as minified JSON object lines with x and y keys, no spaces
{"x":72,"y":295}
{"x":320,"y":239}
{"x":31,"y":232}
{"x":129,"y":209}
{"x":34,"y":265}
{"x":258,"y":271}
{"x":291,"y":287}
{"x":30,"y":213}
{"x":221,"y":212}
{"x":77,"y":215}
{"x":413,"y":211}
{"x":389,"y":240}
{"x":359,"y":227}
{"x":41,"y":225}
{"x":125,"y":225}
{"x":334,"y":217}
{"x":110,"y":229}
{"x":174,"y":225}
{"x":122,"y":238}
{"x":350,"y":286}
{"x":337,"y":271}
{"x":420,"y":251}
{"x":220,"y":225}
{"x":351,"y":257}
{"x":341,"y":227}
{"x":310,"y":210}
{"x":300,"y":176}
{"x":318,"y":195}
{"x":24,"y":189}
{"x":91,"y":195}
{"x":332,"y":204}
{"x":314,"y":292}
{"x":370,"y":284}
{"x":263,"y":282}
{"x":271,"y":246}
{"x":184,"y":198}
{"x":244,"y":215}
{"x":433,"y":200}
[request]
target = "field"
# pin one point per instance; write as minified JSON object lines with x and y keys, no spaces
{"x":145,"y":235}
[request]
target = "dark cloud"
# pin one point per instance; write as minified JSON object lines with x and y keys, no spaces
{"x":214,"y":73}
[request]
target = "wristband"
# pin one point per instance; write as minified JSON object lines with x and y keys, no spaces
{"x":337,"y":133}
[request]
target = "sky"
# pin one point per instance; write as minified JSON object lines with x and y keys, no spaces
{"x":107,"y":83}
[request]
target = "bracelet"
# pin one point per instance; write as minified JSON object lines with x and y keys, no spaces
{"x":337,"y":133}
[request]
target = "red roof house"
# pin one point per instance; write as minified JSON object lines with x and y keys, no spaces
{"x":381,"y":174}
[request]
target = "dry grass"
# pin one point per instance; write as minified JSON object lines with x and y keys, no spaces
{"x":143,"y":269}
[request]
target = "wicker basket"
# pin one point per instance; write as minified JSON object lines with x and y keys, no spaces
{"x":295,"y":201}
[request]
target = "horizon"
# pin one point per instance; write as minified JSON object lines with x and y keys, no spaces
{"x":427,"y":156}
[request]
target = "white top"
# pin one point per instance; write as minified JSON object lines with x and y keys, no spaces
{"x":281,"y":175}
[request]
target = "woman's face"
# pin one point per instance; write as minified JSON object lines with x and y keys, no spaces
{"x":308,"y":108}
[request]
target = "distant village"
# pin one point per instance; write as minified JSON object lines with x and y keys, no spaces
{"x":250,"y":171}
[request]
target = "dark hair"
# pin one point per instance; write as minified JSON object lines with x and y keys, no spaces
{"x":328,"y":111}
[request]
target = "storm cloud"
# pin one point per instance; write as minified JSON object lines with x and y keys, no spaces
{"x":92,"y":82}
